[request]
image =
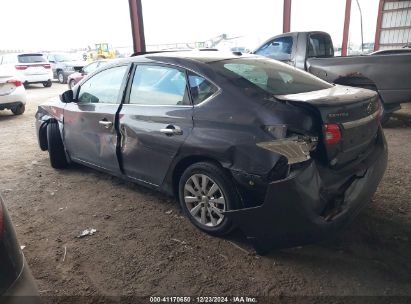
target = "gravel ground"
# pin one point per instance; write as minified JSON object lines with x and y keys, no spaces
{"x":144,"y":246}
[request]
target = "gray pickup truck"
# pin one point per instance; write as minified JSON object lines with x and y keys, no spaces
{"x":388,"y":74}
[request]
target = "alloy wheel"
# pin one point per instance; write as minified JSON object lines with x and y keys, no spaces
{"x":204,"y":200}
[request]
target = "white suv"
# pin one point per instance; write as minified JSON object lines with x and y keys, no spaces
{"x":28,"y":67}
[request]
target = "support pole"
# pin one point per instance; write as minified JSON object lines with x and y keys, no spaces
{"x":379,"y":26}
{"x":137,"y":26}
{"x":287,"y":16}
{"x":346,"y":27}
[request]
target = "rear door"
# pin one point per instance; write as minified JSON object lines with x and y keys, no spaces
{"x":155,"y":121}
{"x":89,"y":125}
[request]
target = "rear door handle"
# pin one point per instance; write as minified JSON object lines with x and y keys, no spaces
{"x":171,"y":130}
{"x":107,"y":124}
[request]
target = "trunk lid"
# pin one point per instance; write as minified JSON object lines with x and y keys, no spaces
{"x":6,"y":87}
{"x":355,"y":111}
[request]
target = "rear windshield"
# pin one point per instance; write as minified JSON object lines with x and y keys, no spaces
{"x":269,"y":75}
{"x":31,"y":58}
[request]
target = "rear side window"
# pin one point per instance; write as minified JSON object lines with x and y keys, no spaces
{"x":103,"y":87}
{"x":270,"y":76}
{"x":159,"y":85}
{"x":200,"y":88}
{"x":31,"y":58}
{"x":320,"y":45}
{"x":279,"y":49}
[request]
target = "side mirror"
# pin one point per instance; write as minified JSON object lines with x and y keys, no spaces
{"x":67,"y":96}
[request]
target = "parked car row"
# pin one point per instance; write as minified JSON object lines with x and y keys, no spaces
{"x":28,"y":68}
{"x":18,"y":71}
{"x":33,"y":68}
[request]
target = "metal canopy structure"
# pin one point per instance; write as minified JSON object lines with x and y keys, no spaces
{"x":393,"y":24}
{"x":136,"y":16}
{"x":137,"y":26}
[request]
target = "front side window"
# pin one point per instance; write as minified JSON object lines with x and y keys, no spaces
{"x":268,"y":75}
{"x":103,"y":87}
{"x":159,"y":85}
{"x":200,"y":88}
{"x":279,"y":49}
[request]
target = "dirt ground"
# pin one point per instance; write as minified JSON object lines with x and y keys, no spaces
{"x":144,"y":246}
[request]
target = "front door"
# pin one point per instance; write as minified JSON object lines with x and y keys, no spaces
{"x":154,"y":121}
{"x":90,"y":135}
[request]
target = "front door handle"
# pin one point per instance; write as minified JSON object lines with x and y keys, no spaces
{"x":107,"y":124}
{"x":171,"y":130}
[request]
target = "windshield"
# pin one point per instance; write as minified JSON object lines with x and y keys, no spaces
{"x":67,"y":57}
{"x":269,"y":75}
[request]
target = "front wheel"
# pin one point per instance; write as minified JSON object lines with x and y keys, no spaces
{"x":55,"y":145}
{"x":61,"y":78}
{"x":205,"y":192}
{"x":72,"y":83}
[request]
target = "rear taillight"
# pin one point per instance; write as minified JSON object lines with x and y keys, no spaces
{"x":332,"y":134}
{"x":17,"y":83}
{"x":46,"y":66}
{"x":21,"y":67}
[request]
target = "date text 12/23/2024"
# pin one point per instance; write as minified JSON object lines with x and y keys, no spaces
{"x":235,"y":299}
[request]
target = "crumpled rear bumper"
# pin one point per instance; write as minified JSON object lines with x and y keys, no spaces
{"x":291,"y":212}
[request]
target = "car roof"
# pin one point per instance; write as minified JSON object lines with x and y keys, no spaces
{"x":198,"y":56}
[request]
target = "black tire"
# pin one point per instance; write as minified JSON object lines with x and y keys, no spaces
{"x":61,"y":78}
{"x":227,"y":190}
{"x":55,"y":144}
{"x":72,"y":83}
{"x":47,"y":84}
{"x":26,"y":85}
{"x":19,"y":109}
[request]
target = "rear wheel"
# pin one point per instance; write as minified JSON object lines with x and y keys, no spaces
{"x":47,"y":84}
{"x":55,"y":144}
{"x":205,"y":192}
{"x":18,"y":110}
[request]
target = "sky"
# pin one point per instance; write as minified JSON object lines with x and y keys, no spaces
{"x":58,"y":24}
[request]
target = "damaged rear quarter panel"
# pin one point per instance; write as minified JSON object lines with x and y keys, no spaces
{"x":228,"y":129}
